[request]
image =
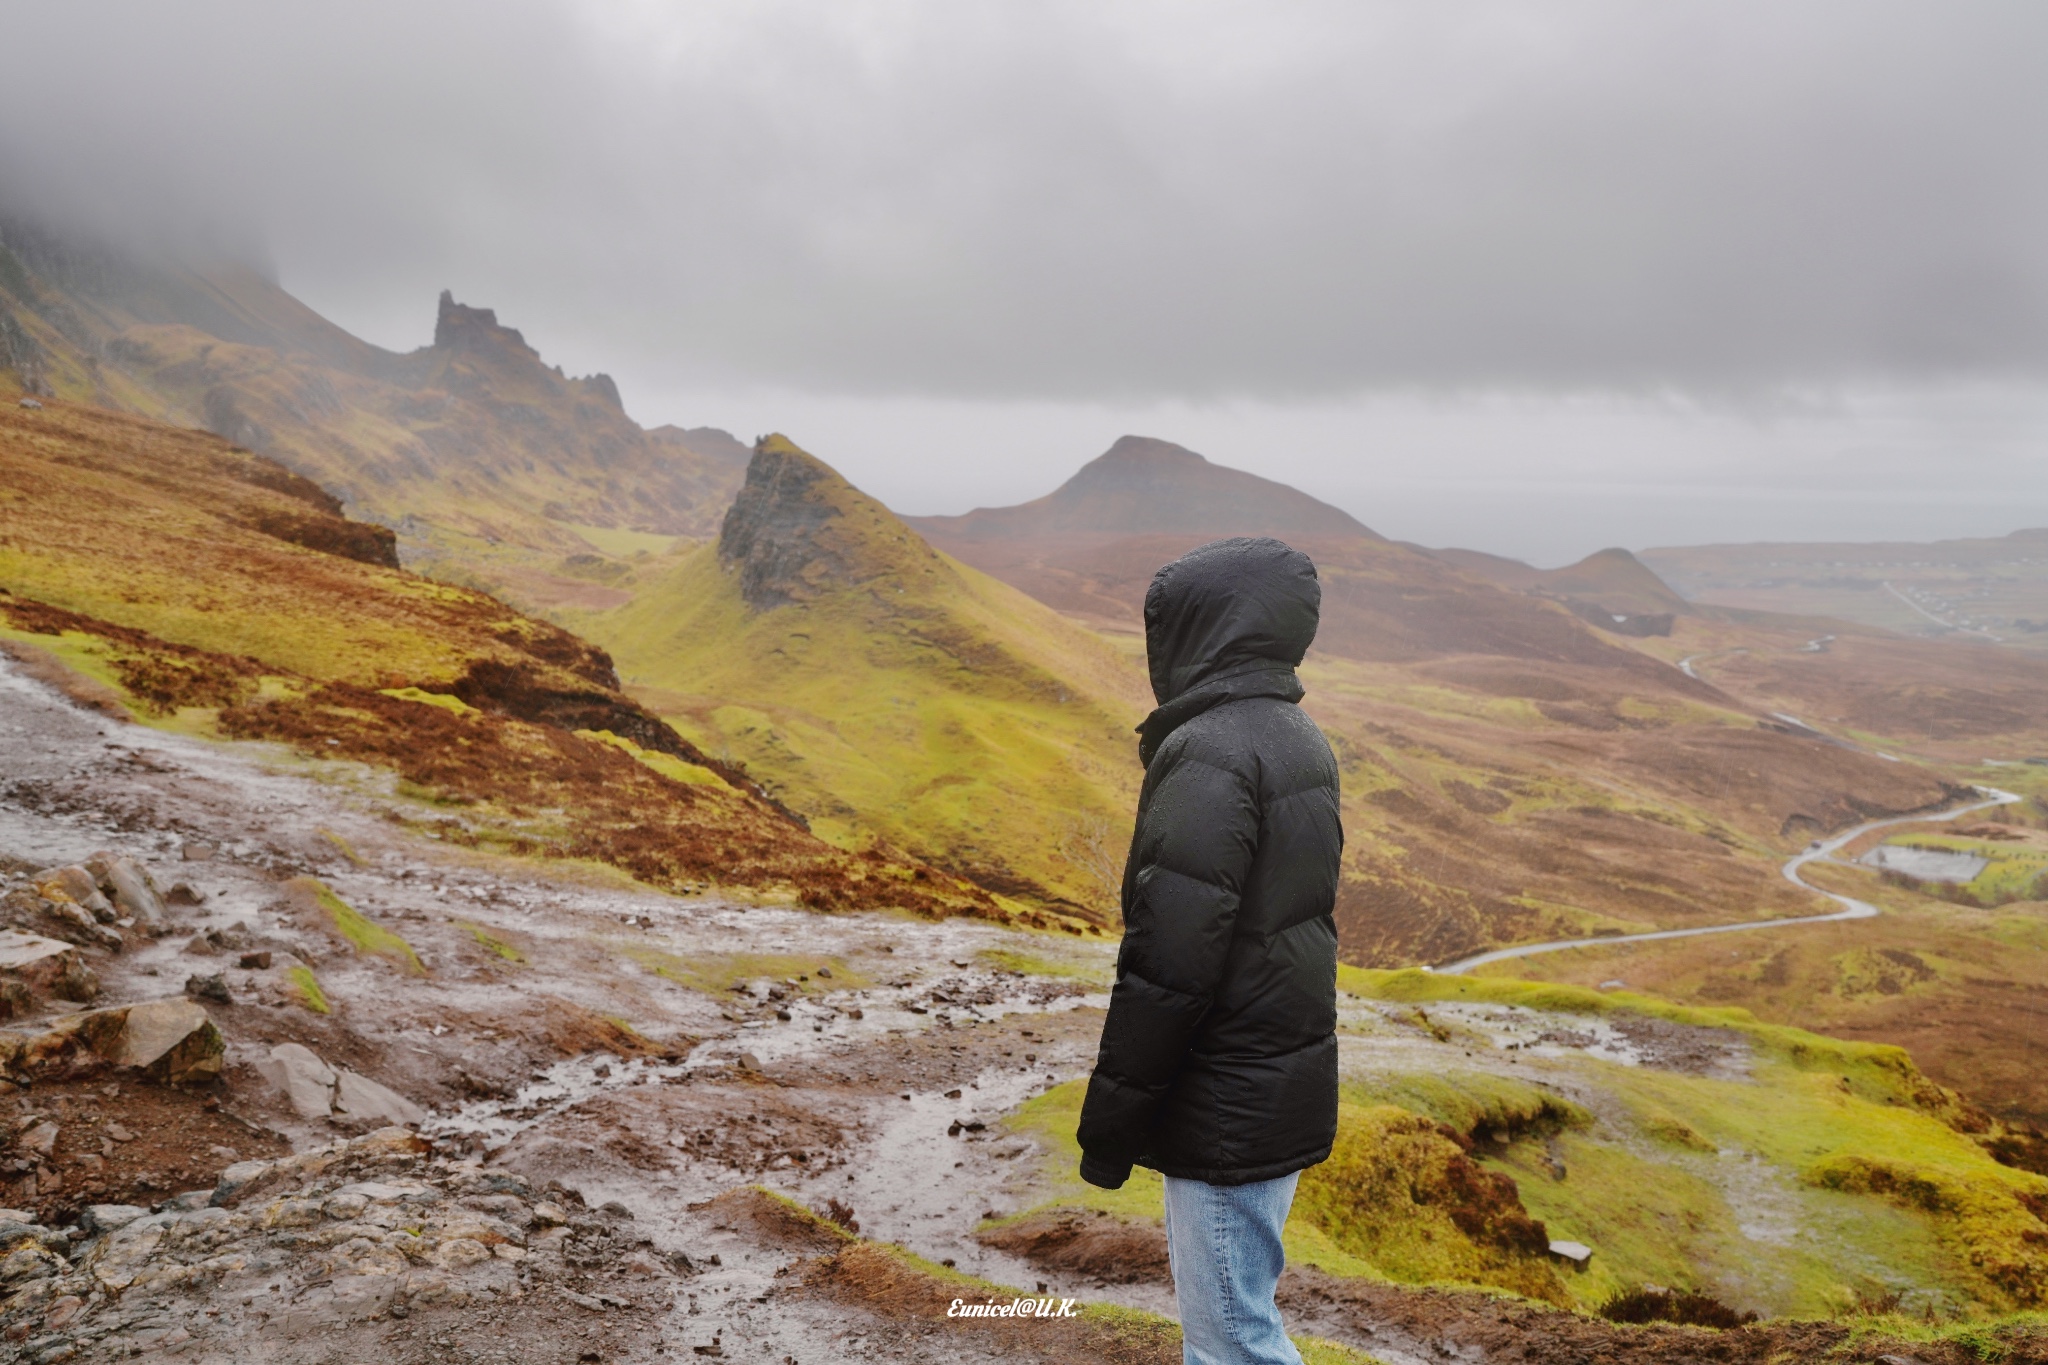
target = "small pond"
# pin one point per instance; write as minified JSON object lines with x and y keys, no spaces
{"x":1926,"y":864}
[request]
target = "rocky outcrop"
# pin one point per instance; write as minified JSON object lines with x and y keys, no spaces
{"x":358,"y":540}
{"x":96,"y":903}
{"x":172,"y":1042}
{"x":458,"y":327}
{"x":316,"y":1090}
{"x":33,"y":967}
{"x":376,"y":1225}
{"x":798,"y":530}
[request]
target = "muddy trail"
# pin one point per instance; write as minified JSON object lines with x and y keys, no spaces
{"x":447,"y":1106}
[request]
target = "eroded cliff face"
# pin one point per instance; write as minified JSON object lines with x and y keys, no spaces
{"x":473,"y":448}
{"x":797,"y":529}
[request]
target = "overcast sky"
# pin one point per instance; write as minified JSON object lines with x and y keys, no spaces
{"x":1534,"y":277}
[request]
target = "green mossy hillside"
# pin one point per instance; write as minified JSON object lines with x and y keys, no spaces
{"x":889,"y":692}
{"x":1779,"y":1171}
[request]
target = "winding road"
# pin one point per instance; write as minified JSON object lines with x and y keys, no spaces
{"x":1851,"y":907}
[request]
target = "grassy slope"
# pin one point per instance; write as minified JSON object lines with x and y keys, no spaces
{"x":909,"y":698}
{"x":1830,"y":1174}
{"x":135,"y":554}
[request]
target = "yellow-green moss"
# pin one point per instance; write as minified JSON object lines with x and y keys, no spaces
{"x":343,"y":847}
{"x":1004,"y":959}
{"x":1879,"y":1070}
{"x":308,"y":988}
{"x":491,"y":942}
{"x":668,"y":765}
{"x":1472,"y":1101}
{"x":1317,"y":1351}
{"x":363,"y":934}
{"x":440,"y":699}
{"x":1401,"y":1196}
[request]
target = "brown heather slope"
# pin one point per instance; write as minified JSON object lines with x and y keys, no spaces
{"x":1610,"y":588}
{"x":214,"y":590}
{"x":483,"y":458}
{"x":1515,"y":773}
{"x":1511,"y":773}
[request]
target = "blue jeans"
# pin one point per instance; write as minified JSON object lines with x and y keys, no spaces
{"x":1224,"y":1244}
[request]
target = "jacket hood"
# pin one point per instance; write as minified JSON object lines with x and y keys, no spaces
{"x":1228,"y":620}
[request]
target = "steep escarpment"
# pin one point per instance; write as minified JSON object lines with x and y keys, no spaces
{"x":487,"y":462}
{"x":798,"y":530}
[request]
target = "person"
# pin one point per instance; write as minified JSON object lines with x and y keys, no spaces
{"x":1218,"y":1061}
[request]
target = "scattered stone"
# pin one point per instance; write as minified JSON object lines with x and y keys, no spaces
{"x":255,"y":962}
{"x":41,"y":966}
{"x":110,"y":1217}
{"x":181,"y":893}
{"x":362,"y":1098}
{"x":171,"y":1041}
{"x":173,"y":1036}
{"x":317,"y":1090}
{"x":749,"y":1062}
{"x":213,"y":989}
{"x":308,"y":1083}
{"x":1577,"y":1253}
{"x":41,"y":1139}
{"x":31,"y":404}
{"x":196,"y":851}
{"x":128,"y":884}
{"x":74,"y":885}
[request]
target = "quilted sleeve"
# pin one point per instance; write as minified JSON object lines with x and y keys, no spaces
{"x":1196,"y":838}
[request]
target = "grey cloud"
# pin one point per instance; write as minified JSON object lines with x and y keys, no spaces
{"x":1069,"y":199}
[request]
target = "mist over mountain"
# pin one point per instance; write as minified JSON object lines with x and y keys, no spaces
{"x":496,"y":866}
{"x":1442,"y":271}
{"x":462,"y":444}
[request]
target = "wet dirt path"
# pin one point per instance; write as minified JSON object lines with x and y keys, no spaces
{"x":836,"y":1087}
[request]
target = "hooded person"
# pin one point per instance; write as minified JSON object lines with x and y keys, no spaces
{"x":1218,"y":1062}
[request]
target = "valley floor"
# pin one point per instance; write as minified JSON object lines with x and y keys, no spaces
{"x":616,"y":1080}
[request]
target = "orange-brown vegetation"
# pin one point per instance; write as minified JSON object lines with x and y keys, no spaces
{"x":1512,"y":771}
{"x":137,"y":550}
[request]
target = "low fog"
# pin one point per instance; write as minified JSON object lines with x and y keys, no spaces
{"x":1535,"y":278}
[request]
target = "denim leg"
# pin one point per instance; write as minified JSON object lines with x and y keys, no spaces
{"x":1223,"y":1242}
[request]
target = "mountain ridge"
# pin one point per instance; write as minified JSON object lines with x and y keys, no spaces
{"x":1142,"y":484}
{"x":466,"y":446}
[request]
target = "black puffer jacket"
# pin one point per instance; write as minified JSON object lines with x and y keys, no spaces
{"x":1219,"y":1057}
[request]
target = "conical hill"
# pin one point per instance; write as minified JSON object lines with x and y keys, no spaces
{"x":886,"y":690}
